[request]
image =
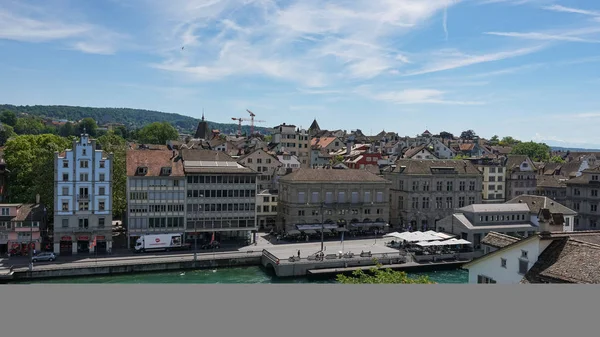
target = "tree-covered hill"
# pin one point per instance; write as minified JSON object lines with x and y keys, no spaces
{"x":131,"y":118}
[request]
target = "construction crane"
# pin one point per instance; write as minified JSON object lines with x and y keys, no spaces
{"x":252,"y":121}
{"x":240,"y":120}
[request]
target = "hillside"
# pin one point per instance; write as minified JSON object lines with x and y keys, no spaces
{"x":132,"y":118}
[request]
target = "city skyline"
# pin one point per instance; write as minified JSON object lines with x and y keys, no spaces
{"x":413,"y":65}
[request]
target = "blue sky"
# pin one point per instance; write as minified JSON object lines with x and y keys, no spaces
{"x":525,"y":68}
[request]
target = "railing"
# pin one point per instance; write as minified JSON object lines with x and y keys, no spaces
{"x":83,"y":197}
{"x":398,"y":257}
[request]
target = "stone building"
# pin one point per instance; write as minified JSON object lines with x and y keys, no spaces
{"x":583,"y":198}
{"x":348,"y":198}
{"x":521,"y":176}
{"x":425,"y":191}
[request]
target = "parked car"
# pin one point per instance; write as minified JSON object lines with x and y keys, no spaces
{"x":47,"y":256}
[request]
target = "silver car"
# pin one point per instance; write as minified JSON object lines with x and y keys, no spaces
{"x":47,"y":256}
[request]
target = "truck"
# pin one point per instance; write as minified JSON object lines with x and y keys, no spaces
{"x":161,"y":242}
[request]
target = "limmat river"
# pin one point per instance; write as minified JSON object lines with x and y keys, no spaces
{"x":244,"y":275}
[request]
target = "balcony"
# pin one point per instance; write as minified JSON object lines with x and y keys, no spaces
{"x":83,"y":197}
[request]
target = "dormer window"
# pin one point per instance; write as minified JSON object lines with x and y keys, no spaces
{"x":142,"y":170}
{"x":165,"y":171}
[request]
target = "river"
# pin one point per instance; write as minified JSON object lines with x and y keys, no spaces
{"x":244,"y":275}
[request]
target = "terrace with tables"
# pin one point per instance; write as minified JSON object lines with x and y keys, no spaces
{"x":431,"y":246}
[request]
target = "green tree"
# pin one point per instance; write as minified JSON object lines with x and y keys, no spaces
{"x":509,"y":141}
{"x":29,"y":126}
{"x":460,"y":156}
{"x":157,"y":133}
{"x":8,"y":117}
{"x":557,"y":159}
{"x":66,"y":130}
{"x":494,"y":140}
{"x":89,"y":126}
{"x":6,"y":131}
{"x":446,"y":135}
{"x":31,"y":161}
{"x":379,"y":275}
{"x":535,"y":151}
{"x":337,"y":159}
{"x":468,"y":135}
{"x":111,"y":142}
{"x":121,"y":131}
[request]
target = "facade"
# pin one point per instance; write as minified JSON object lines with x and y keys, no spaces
{"x":494,"y":184}
{"x":155,"y":193}
{"x":441,"y":150}
{"x":289,"y":162}
{"x":552,"y":186}
{"x":547,"y":257}
{"x":420,"y":152}
{"x":82,"y":199}
{"x":425,"y":191}
{"x":362,"y":160}
{"x":21,"y":226}
{"x":583,"y":197}
{"x":521,"y":176}
{"x":474,"y":222}
{"x":266,"y":209}
{"x":328,"y":144}
{"x":319,"y":157}
{"x":346,"y":198}
{"x":537,"y":203}
{"x":265,"y":164}
{"x":293,"y":141}
{"x":220,"y":197}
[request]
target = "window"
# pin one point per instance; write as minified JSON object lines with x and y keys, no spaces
{"x":65,"y":206}
{"x":425,"y":202}
{"x":341,"y":197}
{"x":594,"y":193}
{"x":485,"y":280}
{"x":595,"y":178}
{"x":83,"y":223}
{"x":439,"y":203}
{"x":576,"y":206}
{"x":102,"y":177}
{"x":102,"y":191}
{"x":5,"y":211}
{"x":379,"y":196}
{"x":492,"y":179}
{"x":449,"y":203}
{"x":102,"y":164}
{"x":492,"y":187}
{"x":503,"y":263}
{"x":415,"y":186}
{"x":425,"y":186}
{"x":461,"y":201}
{"x":83,"y":152}
{"x":65,"y":223}
{"x":523,"y":254}
{"x":354,"y":197}
{"x":84,"y":164}
{"x":594,"y":208}
{"x":401,"y":185}
{"x":84,"y":206}
{"x":101,"y":205}
{"x":523,"y":266}
{"x":301,"y":212}
{"x":439,"y":186}
{"x":415,"y":203}
{"x":462,"y":185}
{"x":65,"y":191}
{"x":83,"y":177}
{"x":471,"y":200}
{"x":367,"y":196}
{"x":65,"y":177}
{"x":301,"y":198}
{"x":65,"y":163}
{"x":101,"y":222}
{"x":449,"y":186}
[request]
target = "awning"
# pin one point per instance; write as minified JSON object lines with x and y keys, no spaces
{"x":417,"y":236}
{"x":450,"y":242}
{"x":309,"y":231}
{"x":326,"y":230}
{"x":293,"y":232}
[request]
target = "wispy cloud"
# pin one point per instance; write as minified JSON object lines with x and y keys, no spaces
{"x":23,"y":23}
{"x":567,"y":35}
{"x":510,"y":70}
{"x":559,"y":8}
{"x":449,"y":60}
{"x":412,"y":96}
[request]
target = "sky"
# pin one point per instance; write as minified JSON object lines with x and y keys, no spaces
{"x":529,"y":69}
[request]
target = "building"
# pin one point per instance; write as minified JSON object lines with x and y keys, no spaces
{"x":265,"y":164}
{"x":425,"y":191}
{"x":266,"y":209}
{"x":547,"y":257}
{"x":82,"y":199}
{"x":289,"y":162}
{"x":328,"y":144}
{"x":494,"y":184}
{"x":521,"y":176}
{"x":220,"y":196}
{"x":346,"y":198}
{"x":203,"y":130}
{"x":22,"y":226}
{"x":319,"y":157}
{"x":419,"y":152}
{"x":474,"y":222}
{"x":537,"y":203}
{"x":552,"y":186}
{"x":583,"y":197}
{"x":494,"y":241}
{"x":155,"y":193}
{"x":293,"y":141}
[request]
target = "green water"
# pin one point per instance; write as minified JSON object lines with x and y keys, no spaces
{"x":231,"y":276}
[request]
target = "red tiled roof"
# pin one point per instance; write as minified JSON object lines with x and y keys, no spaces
{"x":323,"y":141}
{"x":467,"y":147}
{"x":154,"y":160}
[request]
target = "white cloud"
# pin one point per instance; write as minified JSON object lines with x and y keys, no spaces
{"x":544,"y":37}
{"x":448,"y":60}
{"x":24,"y":23}
{"x":559,"y":8}
{"x":412,"y":96}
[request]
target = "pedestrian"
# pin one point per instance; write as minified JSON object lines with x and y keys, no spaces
{"x":298,"y":252}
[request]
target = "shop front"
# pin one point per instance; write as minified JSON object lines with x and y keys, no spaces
{"x":101,"y":246}
{"x":66,"y":245}
{"x":83,"y":244}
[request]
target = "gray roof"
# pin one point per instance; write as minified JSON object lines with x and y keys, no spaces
{"x":515,"y":161}
{"x":428,"y":167}
{"x":332,"y":175}
{"x":495,"y":208}
{"x":536,"y":203}
{"x":514,"y":227}
{"x":498,"y":240}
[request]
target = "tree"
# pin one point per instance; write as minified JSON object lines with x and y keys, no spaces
{"x":337,"y":159}
{"x":8,"y":117}
{"x":31,"y":161}
{"x":29,"y":126}
{"x":66,"y":130}
{"x":6,"y":131}
{"x":89,"y":126}
{"x":535,"y":151}
{"x":121,"y":131}
{"x":378,"y":275}
{"x":557,"y":159}
{"x":468,"y":135}
{"x":494,"y":140}
{"x":111,"y":142}
{"x":460,"y":156}
{"x":446,"y":135}
{"x":157,"y":133}
{"x":509,"y":141}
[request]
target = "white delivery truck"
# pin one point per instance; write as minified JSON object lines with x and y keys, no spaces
{"x":158,"y":242}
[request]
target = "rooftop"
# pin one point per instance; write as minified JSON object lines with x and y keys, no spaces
{"x":429,"y":167}
{"x":495,"y":208}
{"x":154,"y":160}
{"x":536,"y":203}
{"x":498,"y":240}
{"x":332,"y":175}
